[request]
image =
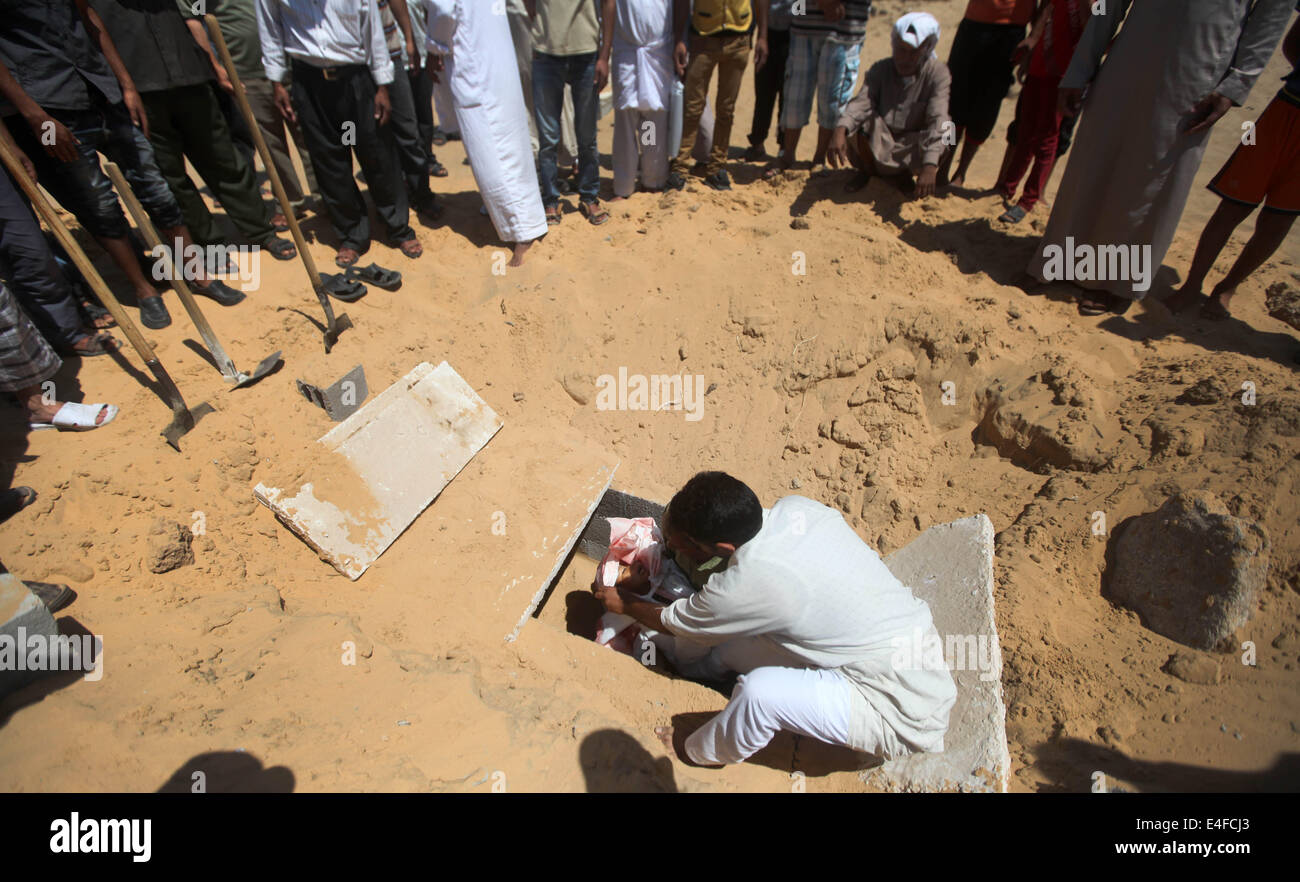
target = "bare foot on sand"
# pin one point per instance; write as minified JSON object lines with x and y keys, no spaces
{"x":520,"y":249}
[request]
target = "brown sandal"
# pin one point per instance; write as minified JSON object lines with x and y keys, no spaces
{"x":553,"y":215}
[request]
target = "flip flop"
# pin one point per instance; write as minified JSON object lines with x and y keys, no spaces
{"x":280,"y":249}
{"x":338,"y":286}
{"x":96,"y":315}
{"x":389,"y":280}
{"x":279,"y":222}
{"x":553,"y":216}
{"x":101,"y":343}
{"x":74,"y":417}
{"x":1013,"y":215}
{"x":15,"y":500}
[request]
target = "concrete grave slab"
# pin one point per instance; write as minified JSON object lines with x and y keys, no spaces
{"x":375,"y":472}
{"x":21,"y":609}
{"x":950,"y":567}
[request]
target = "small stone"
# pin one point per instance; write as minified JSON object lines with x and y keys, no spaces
{"x":578,"y":386}
{"x":1193,"y":667}
{"x":799,"y":223}
{"x":794,"y":483}
{"x":169,"y":547}
{"x":519,"y":396}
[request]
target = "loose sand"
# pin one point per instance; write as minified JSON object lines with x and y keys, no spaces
{"x":829,"y":382}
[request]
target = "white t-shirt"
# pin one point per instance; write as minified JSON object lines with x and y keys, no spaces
{"x":808,"y":583}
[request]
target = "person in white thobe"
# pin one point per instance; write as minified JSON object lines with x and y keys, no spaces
{"x":481,"y":71}
{"x":638,"y":47}
{"x":828,"y":643}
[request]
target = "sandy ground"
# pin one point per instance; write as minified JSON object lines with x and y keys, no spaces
{"x":233,"y":665}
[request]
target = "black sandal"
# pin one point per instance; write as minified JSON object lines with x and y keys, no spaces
{"x":341,"y":288}
{"x":94,"y":314}
{"x":389,"y":280}
{"x":101,"y":343}
{"x":280,"y":249}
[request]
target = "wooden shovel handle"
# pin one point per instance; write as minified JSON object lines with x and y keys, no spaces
{"x":61,"y":232}
{"x":214,"y":28}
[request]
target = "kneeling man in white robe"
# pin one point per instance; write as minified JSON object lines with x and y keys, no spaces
{"x":478,"y":59}
{"x":808,"y":615}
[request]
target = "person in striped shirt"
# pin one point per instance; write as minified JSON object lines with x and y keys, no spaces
{"x":825,"y":51}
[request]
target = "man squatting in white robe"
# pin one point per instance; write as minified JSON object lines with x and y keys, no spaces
{"x":829,"y":644}
{"x":480,"y":67}
{"x":639,"y":33}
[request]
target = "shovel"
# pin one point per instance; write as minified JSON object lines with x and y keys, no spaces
{"x":183,"y":417}
{"x":332,"y":326}
{"x":224,"y":363}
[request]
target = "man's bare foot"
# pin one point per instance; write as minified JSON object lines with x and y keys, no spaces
{"x":1183,"y":298}
{"x":520,"y":249}
{"x":665,"y":736}
{"x":959,"y":181}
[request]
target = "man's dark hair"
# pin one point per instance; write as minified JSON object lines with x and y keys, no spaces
{"x":715,"y":507}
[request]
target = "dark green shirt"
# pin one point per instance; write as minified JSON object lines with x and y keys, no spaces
{"x":238,"y":20}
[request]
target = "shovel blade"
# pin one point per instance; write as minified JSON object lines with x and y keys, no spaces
{"x":264,"y":367}
{"x":341,"y":323}
{"x":183,"y":421}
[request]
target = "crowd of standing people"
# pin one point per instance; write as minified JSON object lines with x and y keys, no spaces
{"x":523,"y":83}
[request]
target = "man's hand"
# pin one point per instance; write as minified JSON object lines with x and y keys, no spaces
{"x":681,"y":57}
{"x":1208,"y":111}
{"x":925,"y":181}
{"x":760,"y":52}
{"x":280,"y":95}
{"x":433,"y":67}
{"x":223,"y":80}
{"x":602,"y":73}
{"x":837,"y":151}
{"x":135,"y":107}
{"x":383,"y":107}
{"x":64,"y":148}
{"x":609,"y":597}
{"x":1069,"y":101}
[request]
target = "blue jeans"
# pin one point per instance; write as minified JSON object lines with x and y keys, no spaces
{"x":551,"y":73}
{"x":81,"y":186}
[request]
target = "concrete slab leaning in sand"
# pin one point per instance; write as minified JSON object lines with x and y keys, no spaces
{"x":381,"y":467}
{"x":590,"y":496}
{"x":950,"y":567}
{"x":22,"y":616}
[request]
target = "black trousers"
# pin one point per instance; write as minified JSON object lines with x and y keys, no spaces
{"x":769,"y":81}
{"x":337,"y":118}
{"x":422,"y":94}
{"x":186,"y":123}
{"x":412,"y":152}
